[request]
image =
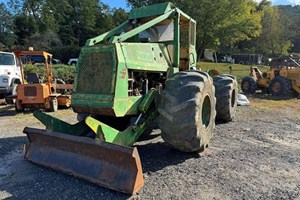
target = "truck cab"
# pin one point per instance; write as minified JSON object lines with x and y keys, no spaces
{"x":10,"y":74}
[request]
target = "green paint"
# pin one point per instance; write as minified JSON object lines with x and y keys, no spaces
{"x":176,"y":40}
{"x":140,"y":28}
{"x":101,"y":82}
{"x":127,"y":137}
{"x":153,"y":10}
{"x":147,"y":101}
{"x":107,"y":35}
{"x":58,"y":125}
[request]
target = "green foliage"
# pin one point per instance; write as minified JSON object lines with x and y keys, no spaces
{"x":272,"y":40}
{"x":7,"y":38}
{"x":64,"y":53}
{"x":64,"y":72}
{"x":293,"y":16}
{"x":230,"y":26}
{"x":40,"y":70}
{"x":44,"y":41}
{"x":218,"y":22}
{"x":24,"y":27}
{"x":119,"y":16}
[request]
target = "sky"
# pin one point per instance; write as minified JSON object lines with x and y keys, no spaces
{"x":284,"y":2}
{"x":122,"y":3}
{"x":117,"y":3}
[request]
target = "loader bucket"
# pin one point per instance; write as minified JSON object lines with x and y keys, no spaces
{"x":108,"y":165}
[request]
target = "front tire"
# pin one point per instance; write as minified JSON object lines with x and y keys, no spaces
{"x":248,"y":85}
{"x":226,"y":94}
{"x":280,"y":86}
{"x":18,"y":106}
{"x":187,"y":111}
{"x":13,"y":92}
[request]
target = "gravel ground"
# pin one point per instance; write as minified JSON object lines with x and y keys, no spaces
{"x":257,"y":156}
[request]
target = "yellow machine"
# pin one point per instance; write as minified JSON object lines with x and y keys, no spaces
{"x":38,"y":93}
{"x":279,"y":81}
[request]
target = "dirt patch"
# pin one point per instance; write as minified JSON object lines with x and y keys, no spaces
{"x":254,"y":157}
{"x":274,"y":104}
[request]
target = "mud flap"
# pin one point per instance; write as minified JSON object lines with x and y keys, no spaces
{"x":109,"y":165}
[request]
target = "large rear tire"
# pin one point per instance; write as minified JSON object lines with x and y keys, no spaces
{"x":226,"y":94}
{"x":248,"y":85}
{"x":187,"y":111}
{"x":280,"y":86}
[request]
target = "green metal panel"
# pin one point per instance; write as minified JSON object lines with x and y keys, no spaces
{"x":58,"y":125}
{"x":153,"y":10}
{"x":140,"y":28}
{"x":127,"y":137}
{"x":127,"y":106}
{"x":107,"y":35}
{"x":92,"y":100}
{"x":144,"y":56}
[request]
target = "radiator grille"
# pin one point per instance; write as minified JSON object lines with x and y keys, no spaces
{"x":30,"y":91}
{"x":95,"y":74}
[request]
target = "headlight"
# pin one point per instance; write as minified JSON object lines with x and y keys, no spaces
{"x":5,"y":80}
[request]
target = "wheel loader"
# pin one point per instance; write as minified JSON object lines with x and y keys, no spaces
{"x":126,"y":78}
{"x":279,"y":81}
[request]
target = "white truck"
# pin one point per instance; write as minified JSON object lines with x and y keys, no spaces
{"x":73,"y":61}
{"x":10,"y":74}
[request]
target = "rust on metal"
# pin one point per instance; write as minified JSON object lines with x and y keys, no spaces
{"x":64,"y":100}
{"x":108,"y":165}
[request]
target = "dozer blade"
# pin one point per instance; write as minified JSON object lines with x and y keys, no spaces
{"x":109,"y":165}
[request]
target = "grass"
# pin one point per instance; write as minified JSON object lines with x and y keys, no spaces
{"x":238,"y":70}
{"x":271,"y":104}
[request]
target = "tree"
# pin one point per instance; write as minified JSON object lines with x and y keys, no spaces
{"x":291,"y":15}
{"x":74,"y":20}
{"x":44,"y":41}
{"x":218,"y":22}
{"x":263,"y":4}
{"x":119,"y":16}
{"x":274,"y":38}
{"x":83,"y":19}
{"x":15,"y":6}
{"x":7,"y":37}
{"x":24,"y":27}
{"x":33,"y":8}
{"x":57,"y":18}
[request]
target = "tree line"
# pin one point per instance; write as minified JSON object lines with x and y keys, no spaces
{"x":229,"y":26}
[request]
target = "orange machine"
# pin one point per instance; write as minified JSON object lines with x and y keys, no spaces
{"x":38,"y":93}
